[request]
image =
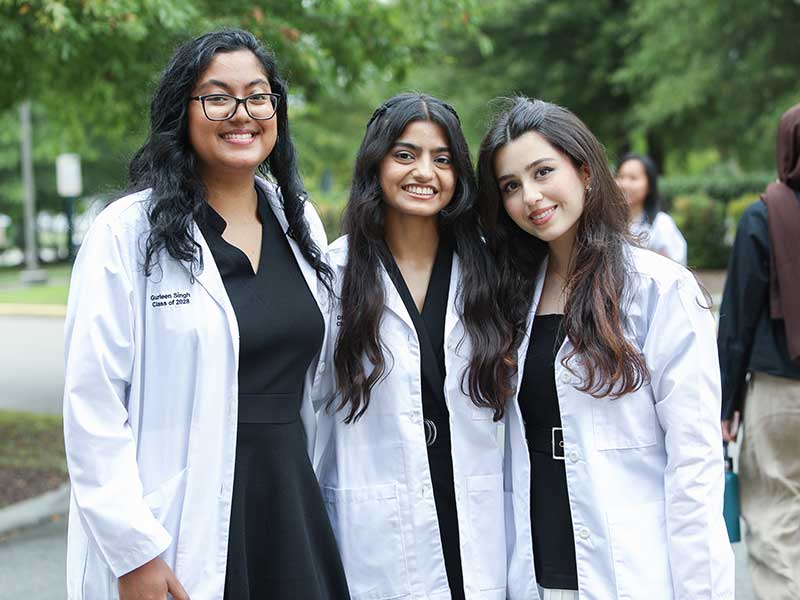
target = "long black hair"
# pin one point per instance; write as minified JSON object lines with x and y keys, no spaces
{"x":168,"y":165}
{"x":362,"y":294}
{"x":652,"y":201}
{"x":598,"y":280}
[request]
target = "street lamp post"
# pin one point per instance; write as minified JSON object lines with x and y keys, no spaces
{"x":32,"y":274}
{"x":69,"y":185}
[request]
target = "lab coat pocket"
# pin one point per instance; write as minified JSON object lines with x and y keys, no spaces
{"x":368,"y":529}
{"x":625,"y":422}
{"x":98,"y":580}
{"x":486,"y":504}
{"x":162,"y":500}
{"x":639,"y":551}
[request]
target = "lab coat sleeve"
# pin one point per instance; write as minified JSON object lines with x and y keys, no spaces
{"x":680,"y":351}
{"x":100,"y":445}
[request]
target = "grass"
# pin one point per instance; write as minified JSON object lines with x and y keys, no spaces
{"x":55,"y":291}
{"x":32,"y":442}
{"x":9,"y":276}
{"x":40,"y":294}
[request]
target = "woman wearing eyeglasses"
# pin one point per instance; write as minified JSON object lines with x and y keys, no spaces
{"x":193,"y":332}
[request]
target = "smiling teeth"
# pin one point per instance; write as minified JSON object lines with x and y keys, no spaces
{"x":238,"y":136}
{"x":543,"y":215}
{"x":417,"y":189}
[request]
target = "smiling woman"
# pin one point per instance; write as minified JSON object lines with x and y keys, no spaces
{"x":613,"y":447}
{"x":197,"y":311}
{"x":411,"y":463}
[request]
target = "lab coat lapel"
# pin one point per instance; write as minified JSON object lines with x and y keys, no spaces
{"x":452,"y":318}
{"x":537,"y":295}
{"x":392,"y":299}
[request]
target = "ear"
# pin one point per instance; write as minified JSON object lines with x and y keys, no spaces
{"x":586,"y":175}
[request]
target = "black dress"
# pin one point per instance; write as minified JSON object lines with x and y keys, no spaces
{"x":281,"y":545}
{"x":429,"y":325}
{"x":551,"y":519}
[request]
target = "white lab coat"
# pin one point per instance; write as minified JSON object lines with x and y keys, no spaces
{"x":150,"y":407}
{"x":375,"y":476}
{"x":662,"y":236}
{"x":644,"y":472}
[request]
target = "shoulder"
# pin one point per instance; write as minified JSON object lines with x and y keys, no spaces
{"x":124,"y":217}
{"x":664,"y":221}
{"x":657,"y":274}
{"x":754,"y":215}
{"x":337,"y":253}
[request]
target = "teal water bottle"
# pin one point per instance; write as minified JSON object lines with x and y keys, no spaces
{"x":730,"y":509}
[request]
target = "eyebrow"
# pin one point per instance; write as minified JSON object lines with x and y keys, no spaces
{"x":222,"y":84}
{"x":416,"y":148}
{"x":528,"y":167}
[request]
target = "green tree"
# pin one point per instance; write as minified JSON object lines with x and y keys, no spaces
{"x":90,"y":65}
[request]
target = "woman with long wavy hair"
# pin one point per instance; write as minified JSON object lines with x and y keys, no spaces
{"x":196,"y":316}
{"x":408,"y":454}
{"x":614,"y":448}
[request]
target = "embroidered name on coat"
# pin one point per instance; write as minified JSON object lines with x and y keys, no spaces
{"x":173,"y":299}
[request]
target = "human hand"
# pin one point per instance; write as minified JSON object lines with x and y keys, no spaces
{"x":730,"y":428}
{"x":152,"y":581}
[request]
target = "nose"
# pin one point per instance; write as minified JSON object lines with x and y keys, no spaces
{"x":240,"y":113}
{"x":423,"y":169}
{"x":531,"y":194}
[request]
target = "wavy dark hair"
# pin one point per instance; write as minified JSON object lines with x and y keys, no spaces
{"x":652,"y":201}
{"x":362,"y":295}
{"x":168,"y":165}
{"x":598,"y":278}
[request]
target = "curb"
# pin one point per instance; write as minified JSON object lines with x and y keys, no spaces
{"x":35,"y":510}
{"x":33,"y":310}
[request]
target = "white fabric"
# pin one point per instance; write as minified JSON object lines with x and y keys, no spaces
{"x":150,"y":407}
{"x":558,"y":594}
{"x":663,"y":236}
{"x":644,"y":472}
{"x":375,"y":475}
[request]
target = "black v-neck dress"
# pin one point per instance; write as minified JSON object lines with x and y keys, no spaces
{"x":429,"y":325}
{"x":281,"y":545}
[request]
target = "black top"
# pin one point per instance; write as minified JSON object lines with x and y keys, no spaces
{"x":748,"y":339}
{"x":429,"y":326}
{"x":551,"y":519}
{"x":280,"y":545}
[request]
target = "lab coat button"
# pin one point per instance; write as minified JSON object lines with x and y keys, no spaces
{"x":566,"y":379}
{"x":425,"y":491}
{"x":574,"y":456}
{"x":322,"y":366}
{"x":584,"y":533}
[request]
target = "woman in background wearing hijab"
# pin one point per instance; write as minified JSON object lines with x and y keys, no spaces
{"x":759,"y":335}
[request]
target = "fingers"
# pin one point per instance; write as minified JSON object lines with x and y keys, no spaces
{"x":730,"y":428}
{"x":175,"y":588}
{"x":726,"y":431}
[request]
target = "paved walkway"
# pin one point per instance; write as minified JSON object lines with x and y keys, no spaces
{"x":31,"y":363}
{"x":32,"y":565}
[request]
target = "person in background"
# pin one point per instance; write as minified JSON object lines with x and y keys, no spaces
{"x":409,"y":453}
{"x":195,"y":320}
{"x":613,"y":439}
{"x":637,"y":175}
{"x":759,"y":353}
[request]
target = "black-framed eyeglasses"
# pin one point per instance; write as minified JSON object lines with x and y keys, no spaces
{"x":221,"y":107}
